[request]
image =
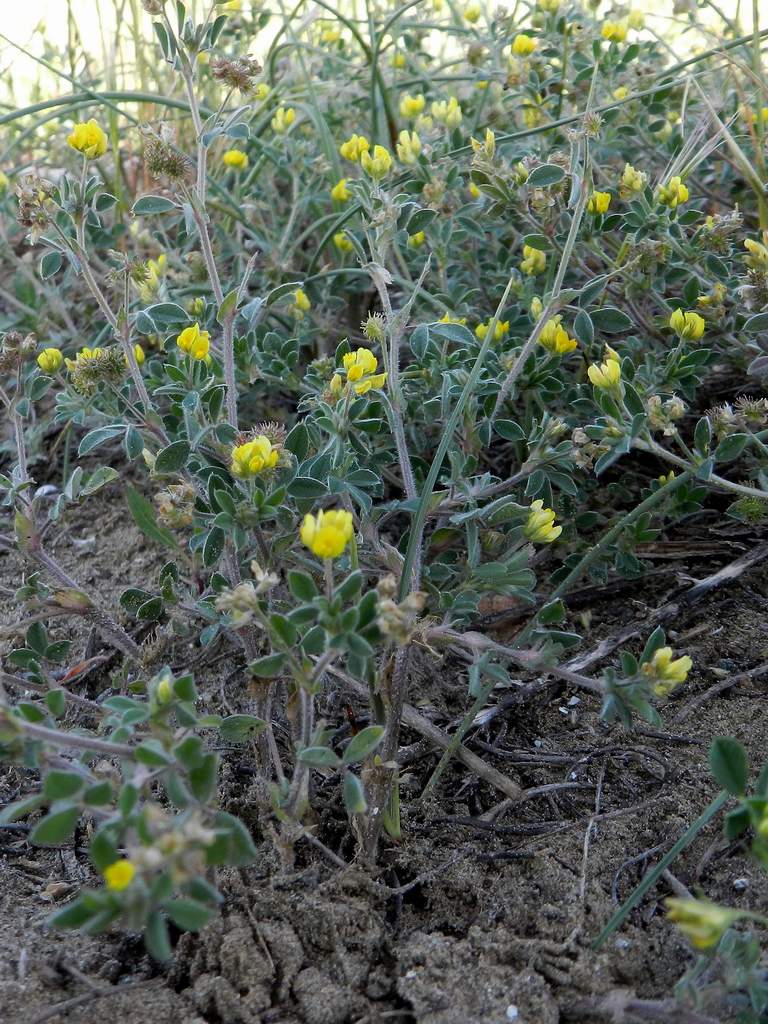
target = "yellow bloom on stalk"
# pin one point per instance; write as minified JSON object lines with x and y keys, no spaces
{"x":340,"y":192}
{"x":666,"y":672}
{"x":236,"y":159}
{"x":555,"y":338}
{"x":447,"y":112}
{"x":361,"y":367}
{"x":397,"y":60}
{"x":532,"y":115}
{"x":687,"y":324}
{"x":195,"y":342}
{"x":261,"y":91}
{"x":330,"y":34}
{"x":607,"y":375}
{"x":342,"y":243}
{"x":89,"y":139}
{"x":412,"y":106}
{"x":233,"y":6}
{"x":283,"y":120}
{"x":632,"y":180}
{"x":327,"y":533}
{"x":540,"y":527}
{"x":408,"y":147}
{"x":50,"y":360}
{"x":447,"y":318}
{"x":253,"y":457}
{"x":354,"y":148}
{"x":138,"y":354}
{"x":523,"y":45}
{"x":614,"y":31}
{"x":534,"y":261}
{"x":703,"y":923}
{"x":598,"y":203}
{"x":301,"y":301}
{"x":472,"y":13}
{"x":474,"y":191}
{"x":536,"y":307}
{"x":118,"y":876}
{"x":500,"y":331}
{"x":674,"y":193}
{"x":758,"y":254}
{"x":378,"y":164}
{"x":620,"y":92}
{"x":84,"y":353}
{"x":416,"y":240}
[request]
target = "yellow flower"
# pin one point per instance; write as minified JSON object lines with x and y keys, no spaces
{"x":234,"y":6}
{"x":378,"y":165}
{"x":555,"y":339}
{"x":614,"y":31}
{"x":164,"y":691}
{"x":408,"y":147}
{"x":631,"y":181}
{"x":253,"y":457}
{"x":485,"y":149}
{"x":666,"y":673}
{"x":361,"y":369}
{"x":620,"y":92}
{"x":194,"y":341}
{"x":411,"y":106}
{"x":235,"y":158}
{"x":447,"y":318}
{"x":636,"y":20}
{"x":89,"y":139}
{"x":340,"y":192}
{"x":703,"y":923}
{"x":261,"y":91}
{"x":447,"y":112}
{"x":534,"y":261}
{"x":84,"y":353}
{"x":341,"y":242}
{"x":50,"y":360}
{"x":474,"y":191}
{"x":417,"y":240}
{"x":283,"y":120}
{"x":119,"y":875}
{"x":540,"y":527}
{"x":330,"y":34}
{"x":758,"y":254}
{"x":537,"y":307}
{"x":501,"y":330}
{"x":688,"y":325}
{"x":354,"y":147}
{"x":599,"y":202}
{"x":327,"y":533}
{"x":549,"y":6}
{"x":606,"y":375}
{"x":138,"y":353}
{"x":397,"y":60}
{"x":674,"y":193}
{"x":301,"y":301}
{"x":472,"y":13}
{"x":523,"y":45}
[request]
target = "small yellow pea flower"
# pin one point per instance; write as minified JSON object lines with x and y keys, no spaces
{"x":254,"y":457}
{"x":536,"y":307}
{"x":397,"y":60}
{"x":614,"y":31}
{"x":632,"y":181}
{"x":674,"y":193}
{"x":687,"y":324}
{"x":378,"y":165}
{"x":408,"y":147}
{"x":233,"y":6}
{"x":50,"y":360}
{"x":474,"y":191}
{"x":620,"y":92}
{"x":412,"y":106}
{"x":482,"y":83}
{"x":448,"y":318}
{"x":118,"y":876}
{"x":331,"y":34}
{"x":636,"y":20}
{"x":447,"y":112}
{"x":758,"y":254}
{"x":500,"y":331}
{"x":523,"y":45}
{"x":301,"y":301}
{"x":607,"y":375}
{"x":236,"y":159}
{"x":340,"y":192}
{"x":361,"y":367}
{"x":84,"y":353}
{"x":138,"y":354}
{"x":164,"y":691}
{"x":540,"y":527}
{"x":417,"y":240}
{"x":555,"y":338}
{"x":354,"y":148}
{"x":327,"y":533}
{"x":534,"y":261}
{"x":261,"y":91}
{"x":549,"y":6}
{"x":341,"y":242}
{"x":703,"y":923}
{"x":195,"y":342}
{"x":666,"y":672}
{"x":472,"y":13}
{"x":598,"y":203}
{"x":89,"y":139}
{"x":283,"y":120}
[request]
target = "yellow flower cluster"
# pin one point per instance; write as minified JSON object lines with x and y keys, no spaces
{"x":606,"y":375}
{"x":83,"y":354}
{"x":523,"y":45}
{"x":342,"y":243}
{"x":283,"y":120}
{"x":119,"y":875}
{"x":632,"y":181}
{"x":534,"y":261}
{"x":447,"y":112}
{"x":195,"y":342}
{"x":378,"y":164}
{"x":236,"y":159}
{"x":253,"y":457}
{"x":666,"y":672}
{"x":361,"y":367}
{"x":301,"y":301}
{"x":674,"y":193}
{"x":354,"y":148}
{"x":758,"y":254}
{"x":408,"y":147}
{"x":500,"y":331}
{"x":540,"y":526}
{"x":555,"y":338}
{"x":340,"y":193}
{"x":50,"y":360}
{"x":614,"y":31}
{"x":598,"y":203}
{"x":472,"y":12}
{"x":89,"y":139}
{"x":703,"y":923}
{"x":327,"y":533}
{"x":687,"y":324}
{"x":412,"y":106}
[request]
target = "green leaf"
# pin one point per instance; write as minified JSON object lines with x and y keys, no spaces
{"x":61,"y":784}
{"x":103,"y":850}
{"x":173,"y":458}
{"x":98,"y":479}
{"x":152,"y":204}
{"x":156,"y":937}
{"x":144,"y":517}
{"x":269,"y":666}
{"x":364,"y":743}
{"x":284,"y":629}
{"x":238,"y":728}
{"x":610,"y":320}
{"x":55,"y":827}
{"x":757,"y":323}
{"x":728,"y":764}
{"x":307,"y":487}
{"x":319,"y":757}
{"x":301,"y":585}
{"x":730,"y":448}
{"x":56,"y":701}
{"x":227,"y":307}
{"x":50,"y":264}
{"x":354,"y":794}
{"x":99,"y":436}
{"x":189,"y":915}
{"x":545,"y":174}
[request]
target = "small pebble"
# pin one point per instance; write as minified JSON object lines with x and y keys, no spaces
{"x":512,"y":1012}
